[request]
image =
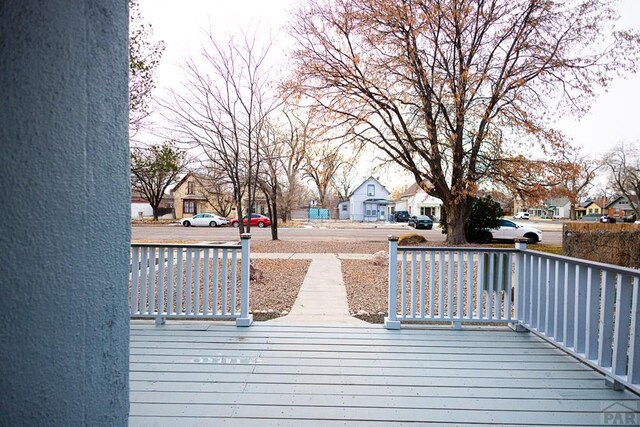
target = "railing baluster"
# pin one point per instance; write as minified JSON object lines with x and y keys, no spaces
{"x":180,"y":256}
{"x":441,"y":271}
{"x":479,"y":286}
{"x":623,"y":317}
{"x":450,"y":283}
{"x":593,"y":298}
{"x":216,"y":282}
{"x":403,"y":285}
{"x":535,"y":291}
{"x":549,"y":326}
{"x":423,"y":262}
{"x":234,"y":281}
{"x":432,"y":284}
{"x":151,"y":298}
{"x":144,"y":268}
{"x":189,"y":283}
{"x":171,"y":283}
{"x":196,"y":282}
{"x":560,"y":306}
{"x":633,"y":372}
{"x":206,"y":283}
{"x":224,"y":289}
{"x":607,"y":301}
{"x":161,"y":260}
{"x":414,"y":256}
{"x":569,"y":304}
{"x":461,"y":279}
{"x":490,"y":284}
{"x":135,"y":281}
{"x":542,"y":295}
{"x":470,"y":269}
{"x":508,"y":292}
{"x":580,"y":316}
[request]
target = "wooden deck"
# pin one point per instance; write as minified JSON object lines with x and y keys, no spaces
{"x":209,"y":374}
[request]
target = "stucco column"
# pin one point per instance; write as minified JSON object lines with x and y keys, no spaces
{"x":64,"y":224}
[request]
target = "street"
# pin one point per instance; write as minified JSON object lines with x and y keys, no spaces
{"x":552,"y":232}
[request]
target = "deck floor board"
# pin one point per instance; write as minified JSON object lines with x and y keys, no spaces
{"x":212,"y":373}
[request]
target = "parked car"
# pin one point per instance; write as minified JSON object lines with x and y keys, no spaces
{"x":607,"y":218}
{"x":401,"y":216}
{"x":420,"y":221}
{"x":630,"y":218}
{"x":522,"y":215}
{"x":509,"y":230}
{"x":204,"y":219}
{"x":591,"y":217}
{"x":256,"y":220}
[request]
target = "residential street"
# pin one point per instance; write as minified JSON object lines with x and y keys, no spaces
{"x":325,"y":231}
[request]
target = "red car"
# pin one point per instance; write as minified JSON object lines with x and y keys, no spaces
{"x":256,"y":220}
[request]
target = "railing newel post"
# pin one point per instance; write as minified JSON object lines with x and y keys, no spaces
{"x":391,"y":321}
{"x":245,"y":318}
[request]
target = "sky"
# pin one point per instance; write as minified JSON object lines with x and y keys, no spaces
{"x":614,"y":115}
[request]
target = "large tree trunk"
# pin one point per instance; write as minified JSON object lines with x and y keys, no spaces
{"x":457,"y":215}
{"x":156,"y":212}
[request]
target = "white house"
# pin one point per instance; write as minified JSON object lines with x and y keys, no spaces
{"x":369,"y":202}
{"x":418,"y":202}
{"x":558,"y":208}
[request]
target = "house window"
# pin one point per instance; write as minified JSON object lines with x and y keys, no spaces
{"x":370,"y":210}
{"x":190,"y":187}
{"x":344,"y":207}
{"x":189,"y":207}
{"x":371,"y":190}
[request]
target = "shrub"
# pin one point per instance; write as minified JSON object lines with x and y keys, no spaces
{"x":485,"y":213}
{"x":411,"y":239}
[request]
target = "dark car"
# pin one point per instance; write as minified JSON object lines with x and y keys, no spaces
{"x":420,"y":221}
{"x":401,"y":216}
{"x":607,"y":218}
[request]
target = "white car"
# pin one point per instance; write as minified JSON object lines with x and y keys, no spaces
{"x":509,"y":230}
{"x":521,"y":215}
{"x":204,"y":220}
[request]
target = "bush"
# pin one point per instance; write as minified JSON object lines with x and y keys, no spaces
{"x":411,"y":239}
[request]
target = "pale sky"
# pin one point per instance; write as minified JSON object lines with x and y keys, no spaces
{"x":614,"y":116}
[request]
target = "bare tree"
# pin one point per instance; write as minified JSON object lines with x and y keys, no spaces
{"x":294,"y":147}
{"x":322,"y":161}
{"x":219,"y":192}
{"x":623,"y":164}
{"x":578,"y":173}
{"x":224,"y":110}
{"x":144,"y":57}
{"x":153,"y":169}
{"x":342,"y":181}
{"x":441,"y":87}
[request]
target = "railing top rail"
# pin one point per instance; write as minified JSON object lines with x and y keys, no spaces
{"x":584,"y":262}
{"x":185,"y":245}
{"x":453,"y":249}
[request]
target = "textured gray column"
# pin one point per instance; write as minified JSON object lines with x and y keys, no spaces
{"x":64,"y":218}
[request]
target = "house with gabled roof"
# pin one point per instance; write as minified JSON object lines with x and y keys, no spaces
{"x":369,"y":202}
{"x":417,"y":202}
{"x":621,"y":206}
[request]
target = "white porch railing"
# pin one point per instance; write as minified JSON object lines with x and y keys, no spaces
{"x":590,"y":310}
{"x":190,"y":281}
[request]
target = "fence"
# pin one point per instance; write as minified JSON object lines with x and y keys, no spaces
{"x":190,"y":281}
{"x":588,"y":309}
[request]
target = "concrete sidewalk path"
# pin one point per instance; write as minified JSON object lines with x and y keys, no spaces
{"x":322,"y":298}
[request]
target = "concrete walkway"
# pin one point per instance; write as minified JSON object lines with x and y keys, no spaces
{"x":322,"y":298}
